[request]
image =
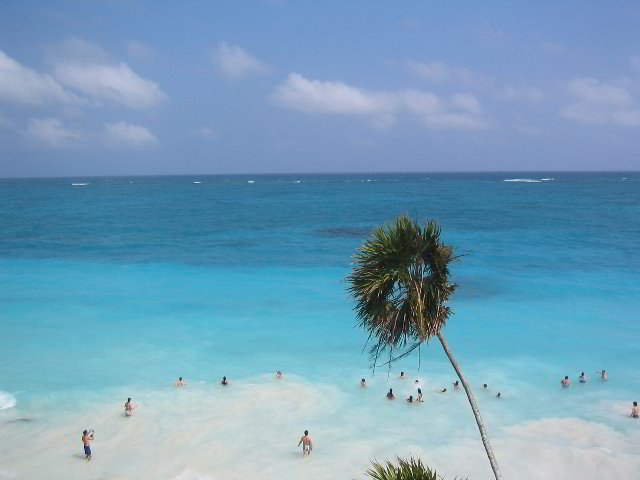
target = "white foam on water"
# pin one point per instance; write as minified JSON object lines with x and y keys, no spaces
{"x":251,"y":428}
{"x":197,"y":182}
{"x":547,"y":448}
{"x":7,"y":400}
{"x":547,"y":179}
{"x":524,"y":180}
{"x":189,"y":475}
{"x":251,"y":181}
{"x":296,"y":181}
{"x":79,"y":184}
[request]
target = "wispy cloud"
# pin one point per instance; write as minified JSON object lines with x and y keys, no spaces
{"x":23,"y":85}
{"x":52,"y":132}
{"x":82,"y":74}
{"x":440,"y":72}
{"x":235,"y":62}
{"x":461,"y":111}
{"x":330,"y":97}
{"x":115,"y":83}
{"x":597,"y":102}
{"x":126,"y":134}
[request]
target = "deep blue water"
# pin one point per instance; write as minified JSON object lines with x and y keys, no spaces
{"x":137,"y":280}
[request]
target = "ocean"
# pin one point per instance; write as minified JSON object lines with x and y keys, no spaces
{"x":113,"y":287}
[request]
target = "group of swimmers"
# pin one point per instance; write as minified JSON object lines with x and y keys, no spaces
{"x":566,"y":381}
{"x":419,"y":397}
{"x":305,"y":441}
{"x":604,"y":376}
{"x":183,"y":383}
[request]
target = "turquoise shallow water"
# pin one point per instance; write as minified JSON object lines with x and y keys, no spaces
{"x":117,"y":287}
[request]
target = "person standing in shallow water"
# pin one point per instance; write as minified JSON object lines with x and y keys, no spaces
{"x":86,"y":439}
{"x":634,"y":410}
{"x":565,"y":382}
{"x":224,"y":381}
{"x":128,"y":407}
{"x":307,"y":444}
{"x":390,"y":395}
{"x":181,"y":382}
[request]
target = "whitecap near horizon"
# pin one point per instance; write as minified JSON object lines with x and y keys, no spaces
{"x":79,"y":184}
{"x":197,"y":182}
{"x":251,"y":181}
{"x":7,"y":400}
{"x":523,"y":180}
{"x":547,"y":179}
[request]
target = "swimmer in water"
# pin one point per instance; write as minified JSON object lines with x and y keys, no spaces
{"x":484,"y":385}
{"x":499,"y":395}
{"x":181,"y":382}
{"x":403,"y":376}
{"x":456,"y":384}
{"x":128,"y":407}
{"x":363,"y":383}
{"x":87,"y":436}
{"x":566,"y":383}
{"x":279,"y":375}
{"x":604,"y":376}
{"x":582,"y":378}
{"x":444,"y":390}
{"x":419,"y":398}
{"x":224,"y":381}
{"x":410,"y":399}
{"x":306,"y":442}
{"x":390,"y":395}
{"x":634,"y":410}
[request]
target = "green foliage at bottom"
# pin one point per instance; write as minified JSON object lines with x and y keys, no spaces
{"x":411,"y":469}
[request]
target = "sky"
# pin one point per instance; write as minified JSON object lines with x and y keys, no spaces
{"x":282,"y":86}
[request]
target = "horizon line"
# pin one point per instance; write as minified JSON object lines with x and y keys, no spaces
{"x":318,"y":173}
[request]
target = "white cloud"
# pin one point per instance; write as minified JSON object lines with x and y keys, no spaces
{"x":461,"y":111}
{"x":52,"y":132}
{"x":329,"y":97}
{"x":236,"y":62}
{"x":440,"y":72}
{"x":122,"y":133}
{"x":115,"y":83}
{"x":598,"y":102}
{"x":20,"y":84}
{"x":521,"y":93}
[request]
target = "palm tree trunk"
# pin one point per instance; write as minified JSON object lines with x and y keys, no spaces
{"x":474,"y":407}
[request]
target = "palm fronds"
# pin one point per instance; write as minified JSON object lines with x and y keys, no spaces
{"x":400,"y":283}
{"x":411,"y":469}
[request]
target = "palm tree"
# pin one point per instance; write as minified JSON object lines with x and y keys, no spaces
{"x":400,"y":283}
{"x":411,"y":469}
